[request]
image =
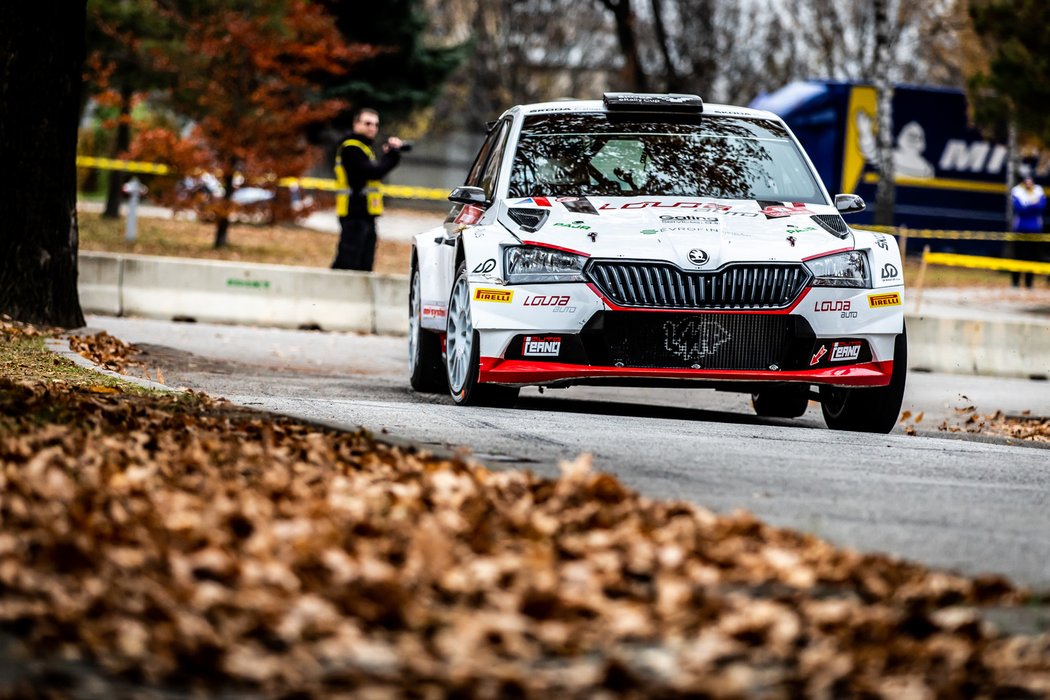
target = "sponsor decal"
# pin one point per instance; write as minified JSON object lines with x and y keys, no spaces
{"x":743,"y":213}
{"x":543,"y":300}
{"x":792,"y":228}
{"x":666,"y":229}
{"x":818,"y":354}
{"x":694,"y":339}
{"x":880,"y":241}
{"x":697,"y":256}
{"x":845,"y":352}
{"x":878,"y":301}
{"x":842,"y":307}
{"x":538,"y":201}
{"x":541,"y":346}
{"x":706,"y":206}
{"x":247,"y":284}
{"x":470,"y":214}
{"x":434,"y":312}
{"x":502,"y":296}
{"x":575,"y":224}
{"x":487,"y":266}
{"x":889,"y":271}
{"x":692,"y":219}
{"x":776,"y":210}
{"x":578,"y":205}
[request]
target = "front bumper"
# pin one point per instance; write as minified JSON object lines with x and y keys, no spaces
{"x":826,"y":336}
{"x":529,"y":373}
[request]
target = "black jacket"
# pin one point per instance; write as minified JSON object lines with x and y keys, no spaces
{"x":360,"y":169}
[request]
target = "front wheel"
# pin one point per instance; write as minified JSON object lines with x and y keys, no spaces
{"x":462,"y":352}
{"x":872,"y":410}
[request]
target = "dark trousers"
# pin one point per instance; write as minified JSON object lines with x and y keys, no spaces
{"x":1024,"y":250}
{"x":357,"y":243}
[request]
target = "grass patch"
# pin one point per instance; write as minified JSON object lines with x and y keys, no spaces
{"x":281,"y":244}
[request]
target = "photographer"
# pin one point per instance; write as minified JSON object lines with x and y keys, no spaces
{"x":360,"y":199}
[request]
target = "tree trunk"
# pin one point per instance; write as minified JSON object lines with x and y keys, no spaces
{"x":623,"y":16}
{"x":41,"y":60}
{"x":222,"y":226}
{"x":116,"y":177}
{"x":1013,"y":165}
{"x":885,"y":193}
{"x":672,"y":81}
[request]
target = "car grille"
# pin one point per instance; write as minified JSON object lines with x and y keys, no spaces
{"x":698,"y":341}
{"x":663,"y":286}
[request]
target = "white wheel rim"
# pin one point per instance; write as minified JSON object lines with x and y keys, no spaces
{"x":459,"y":342}
{"x":413,"y":321}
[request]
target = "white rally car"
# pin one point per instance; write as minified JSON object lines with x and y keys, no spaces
{"x":653,"y":240}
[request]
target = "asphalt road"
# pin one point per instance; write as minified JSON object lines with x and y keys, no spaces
{"x":970,"y":505}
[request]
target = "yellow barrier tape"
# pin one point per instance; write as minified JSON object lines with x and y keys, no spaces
{"x":131,"y":166}
{"x":961,"y":235}
{"x":397,"y":191}
{"x":306,"y":183}
{"x":979,"y":262}
{"x":942,"y":183}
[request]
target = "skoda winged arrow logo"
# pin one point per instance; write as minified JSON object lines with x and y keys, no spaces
{"x":697,"y":256}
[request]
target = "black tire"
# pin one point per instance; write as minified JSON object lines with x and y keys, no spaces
{"x":873,"y":410}
{"x":781,"y":402}
{"x":462,"y":357}
{"x":426,"y":370}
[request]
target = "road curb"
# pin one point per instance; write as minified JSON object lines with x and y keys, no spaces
{"x":60,"y":347}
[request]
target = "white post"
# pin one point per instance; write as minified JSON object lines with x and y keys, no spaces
{"x":135,"y":190}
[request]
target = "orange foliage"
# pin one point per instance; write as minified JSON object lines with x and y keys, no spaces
{"x":250,"y":83}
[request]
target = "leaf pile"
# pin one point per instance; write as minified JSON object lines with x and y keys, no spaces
{"x":106,"y":351}
{"x":1022,"y":427}
{"x":10,"y":328}
{"x":184,"y":543}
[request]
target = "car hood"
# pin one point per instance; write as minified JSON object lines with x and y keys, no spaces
{"x":674,"y":229}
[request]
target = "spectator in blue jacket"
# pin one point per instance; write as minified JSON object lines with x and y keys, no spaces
{"x":1029,"y":202}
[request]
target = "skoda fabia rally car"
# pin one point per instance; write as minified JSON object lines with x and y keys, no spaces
{"x":653,"y":240}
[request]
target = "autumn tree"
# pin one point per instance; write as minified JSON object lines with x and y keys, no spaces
{"x":252,"y":83}
{"x":41,"y":59}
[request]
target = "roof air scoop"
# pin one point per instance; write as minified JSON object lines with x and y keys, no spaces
{"x":635,"y":101}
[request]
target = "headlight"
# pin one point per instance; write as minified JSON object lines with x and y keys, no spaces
{"x":840,"y":270}
{"x":524,"y":264}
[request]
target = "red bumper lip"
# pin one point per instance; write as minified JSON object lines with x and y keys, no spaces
{"x":501,"y":371}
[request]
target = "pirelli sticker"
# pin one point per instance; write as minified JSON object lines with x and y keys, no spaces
{"x":502,"y":296}
{"x":877,"y":301}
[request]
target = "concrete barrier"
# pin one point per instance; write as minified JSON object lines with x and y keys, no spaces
{"x":99,"y":282}
{"x":225,"y":292}
{"x":986,"y":347}
{"x":390,"y":293}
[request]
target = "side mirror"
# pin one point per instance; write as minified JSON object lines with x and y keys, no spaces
{"x":849,"y":203}
{"x":469,"y":195}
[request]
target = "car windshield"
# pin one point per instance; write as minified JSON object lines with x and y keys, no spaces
{"x":627,"y":155}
